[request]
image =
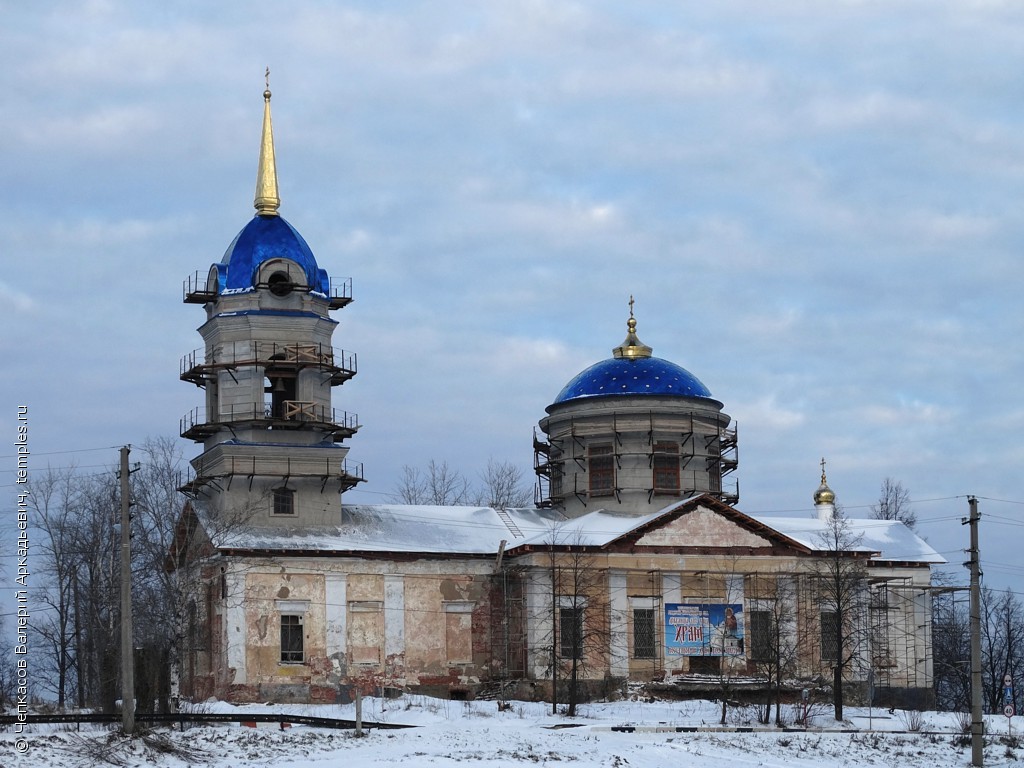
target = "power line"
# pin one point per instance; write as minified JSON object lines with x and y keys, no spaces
{"x":56,"y":453}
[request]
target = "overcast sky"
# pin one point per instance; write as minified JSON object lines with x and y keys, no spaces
{"x":816,"y":205}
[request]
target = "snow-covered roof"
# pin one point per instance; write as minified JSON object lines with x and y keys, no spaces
{"x":891,"y":539}
{"x":594,"y":529}
{"x":403,"y":528}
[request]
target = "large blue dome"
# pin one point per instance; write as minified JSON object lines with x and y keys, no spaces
{"x":262,"y":239}
{"x":638,"y":376}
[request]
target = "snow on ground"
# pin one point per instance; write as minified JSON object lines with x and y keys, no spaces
{"x":452,"y":733}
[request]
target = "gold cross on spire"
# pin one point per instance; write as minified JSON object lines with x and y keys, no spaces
{"x":823,"y":469}
{"x":632,"y":348}
{"x":267,"y":201}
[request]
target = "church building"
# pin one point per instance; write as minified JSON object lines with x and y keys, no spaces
{"x":634,"y":565}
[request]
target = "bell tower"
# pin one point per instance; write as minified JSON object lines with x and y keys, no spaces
{"x":272,"y":442}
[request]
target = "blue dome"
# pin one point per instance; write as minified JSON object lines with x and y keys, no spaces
{"x":641,"y":376}
{"x":262,"y":239}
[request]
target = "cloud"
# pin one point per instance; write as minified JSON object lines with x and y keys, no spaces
{"x":815,"y":207}
{"x":19,"y":301}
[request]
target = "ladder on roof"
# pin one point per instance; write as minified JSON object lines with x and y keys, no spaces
{"x":506,"y":518}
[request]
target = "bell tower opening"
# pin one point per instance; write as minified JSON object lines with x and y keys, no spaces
{"x":279,"y":387}
{"x":280,"y":284}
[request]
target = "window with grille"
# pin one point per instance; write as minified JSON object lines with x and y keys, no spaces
{"x":602,"y":470}
{"x":643,"y":633}
{"x":715,"y":478}
{"x":829,"y":636}
{"x":284,"y":501}
{"x":291,"y":639}
{"x":666,"y":468}
{"x":570,"y":633}
{"x":759,"y":628}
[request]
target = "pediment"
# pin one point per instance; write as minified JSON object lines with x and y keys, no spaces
{"x":701,"y":527}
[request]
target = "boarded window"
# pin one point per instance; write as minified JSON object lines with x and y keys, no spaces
{"x":757,"y":586}
{"x":759,"y":627}
{"x":601,"y":470}
{"x":570,"y":633}
{"x":643,"y":633}
{"x":291,"y":639}
{"x":458,"y":626}
{"x":706,"y":665}
{"x":829,"y":636}
{"x":366,"y":631}
{"x":666,"y":468}
{"x":704,"y":586}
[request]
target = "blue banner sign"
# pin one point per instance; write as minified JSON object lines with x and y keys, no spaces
{"x":704,"y":629}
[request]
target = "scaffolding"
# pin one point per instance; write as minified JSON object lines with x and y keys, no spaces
{"x":197,"y":289}
{"x":717,"y":449}
{"x":335,"y":424}
{"x":201,"y":366}
{"x":201,"y":482}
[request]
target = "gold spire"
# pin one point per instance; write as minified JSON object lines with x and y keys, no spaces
{"x":267,"y":202}
{"x":824,"y":494}
{"x":632,"y":348}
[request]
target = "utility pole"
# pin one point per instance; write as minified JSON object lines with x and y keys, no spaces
{"x":127,"y":642}
{"x":977,"y":721}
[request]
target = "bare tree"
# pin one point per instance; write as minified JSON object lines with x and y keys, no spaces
{"x":577,"y":614}
{"x":160,"y":594}
{"x":440,"y":485}
{"x":78,"y":637}
{"x":78,"y":634}
{"x":502,"y":486}
{"x":1002,"y":641}
{"x":894,"y":504}
{"x":52,"y":500}
{"x":8,"y":678}
{"x":771,"y":635}
{"x":97,"y":587}
{"x":951,"y":652}
{"x":841,"y":581}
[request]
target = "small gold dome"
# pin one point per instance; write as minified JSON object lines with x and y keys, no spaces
{"x":824,"y":494}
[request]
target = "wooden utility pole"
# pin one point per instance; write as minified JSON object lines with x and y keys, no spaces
{"x":359,"y":711}
{"x":977,"y":721}
{"x":127,"y":641}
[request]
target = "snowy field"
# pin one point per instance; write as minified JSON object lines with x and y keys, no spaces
{"x":451,"y":733}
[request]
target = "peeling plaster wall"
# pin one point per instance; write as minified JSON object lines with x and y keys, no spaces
{"x":235,"y":619}
{"x":362,"y":624}
{"x":702,"y":528}
{"x":335,"y":593}
{"x":268,"y":596}
{"x":394,"y":626}
{"x":539,"y":626}
{"x":434,"y":625}
{"x":618,"y":649}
